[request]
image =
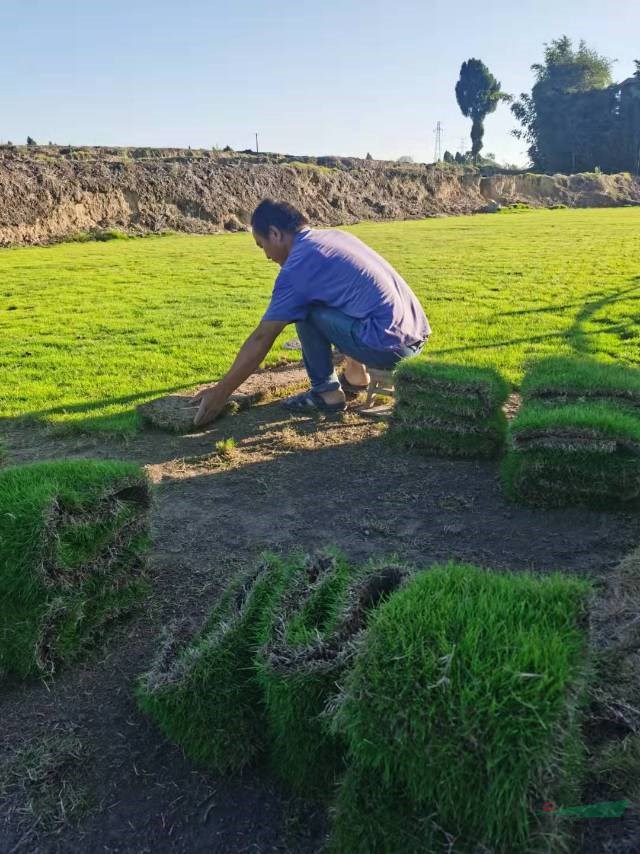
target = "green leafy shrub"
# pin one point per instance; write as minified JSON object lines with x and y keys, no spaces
{"x":102,"y":235}
{"x":462,"y":710}
{"x":72,"y":541}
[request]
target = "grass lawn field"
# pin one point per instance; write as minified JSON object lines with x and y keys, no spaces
{"x":89,"y":330}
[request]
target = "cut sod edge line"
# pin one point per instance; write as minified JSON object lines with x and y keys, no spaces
{"x":326,"y":653}
{"x":462,"y":427}
{"x":57,"y":516}
{"x":45,"y":653}
{"x":482,"y":392}
{"x":176,"y":655}
{"x":561,"y":396}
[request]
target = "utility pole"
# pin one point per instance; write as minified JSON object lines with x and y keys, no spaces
{"x":438,"y":150}
{"x":463,"y":141}
{"x":257,"y":150}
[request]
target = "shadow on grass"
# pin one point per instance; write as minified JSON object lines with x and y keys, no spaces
{"x":579,"y":338}
{"x":576,"y":336}
{"x":121,"y":423}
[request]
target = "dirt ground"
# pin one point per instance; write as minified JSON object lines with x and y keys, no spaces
{"x":290,"y":481}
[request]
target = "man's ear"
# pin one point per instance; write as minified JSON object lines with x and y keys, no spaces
{"x":275,"y":235}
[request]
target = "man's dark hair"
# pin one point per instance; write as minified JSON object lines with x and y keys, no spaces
{"x":280,"y":215}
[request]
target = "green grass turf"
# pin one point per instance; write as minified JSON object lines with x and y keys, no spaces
{"x":571,"y":377}
{"x":201,"y":690}
{"x":485,"y":387}
{"x":311,"y":644}
{"x":466,"y":695}
{"x":91,"y":329}
{"x":72,"y":540}
{"x":484,"y":440}
{"x":595,"y":420}
{"x":369,"y":817}
{"x":554,"y":478}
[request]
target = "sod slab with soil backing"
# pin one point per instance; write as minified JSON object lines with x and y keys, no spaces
{"x":465,"y":697}
{"x":576,"y":437}
{"x":201,"y":689}
{"x":310,"y":647}
{"x":174,"y":413}
{"x":73,"y":537}
{"x":566,"y":379}
{"x":449,"y":410}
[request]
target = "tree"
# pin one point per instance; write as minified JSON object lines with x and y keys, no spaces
{"x":405,"y":159}
{"x":31,"y":141}
{"x":368,"y":157}
{"x":448,"y":157}
{"x":564,"y":113}
{"x":478,"y":93}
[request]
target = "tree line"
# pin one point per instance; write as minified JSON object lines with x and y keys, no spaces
{"x":576,"y":118}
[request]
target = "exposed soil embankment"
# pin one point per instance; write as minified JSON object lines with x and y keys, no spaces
{"x":51,"y":193}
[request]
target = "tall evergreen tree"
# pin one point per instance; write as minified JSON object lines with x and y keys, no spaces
{"x":478,"y":93}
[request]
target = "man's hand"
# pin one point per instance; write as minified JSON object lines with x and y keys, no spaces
{"x":252,"y":352}
{"x":212,"y":401}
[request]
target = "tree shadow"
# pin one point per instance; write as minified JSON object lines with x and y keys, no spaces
{"x":576,"y":336}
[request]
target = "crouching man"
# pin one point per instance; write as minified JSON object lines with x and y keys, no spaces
{"x":337,"y":291}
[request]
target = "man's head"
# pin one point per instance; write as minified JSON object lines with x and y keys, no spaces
{"x":274,"y":227}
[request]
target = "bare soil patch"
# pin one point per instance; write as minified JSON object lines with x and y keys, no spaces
{"x":175,"y":412}
{"x":291,"y":481}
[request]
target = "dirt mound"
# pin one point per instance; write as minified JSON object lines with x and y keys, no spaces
{"x":48,"y":193}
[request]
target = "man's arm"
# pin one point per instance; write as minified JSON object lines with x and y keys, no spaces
{"x":250,"y":355}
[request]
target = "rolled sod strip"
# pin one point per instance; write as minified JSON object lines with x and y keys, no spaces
{"x":201,"y":690}
{"x":465,"y":699}
{"x":312,"y":643}
{"x":73,"y":537}
{"x":570,"y":378}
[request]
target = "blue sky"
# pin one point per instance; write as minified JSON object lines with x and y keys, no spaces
{"x":325,"y":77}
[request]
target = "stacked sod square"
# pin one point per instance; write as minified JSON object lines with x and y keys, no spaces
{"x":576,"y":438}
{"x":73,"y":536}
{"x":449,"y":410}
{"x":462,"y":714}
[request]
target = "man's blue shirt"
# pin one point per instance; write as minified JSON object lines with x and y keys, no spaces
{"x":334,"y":268}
